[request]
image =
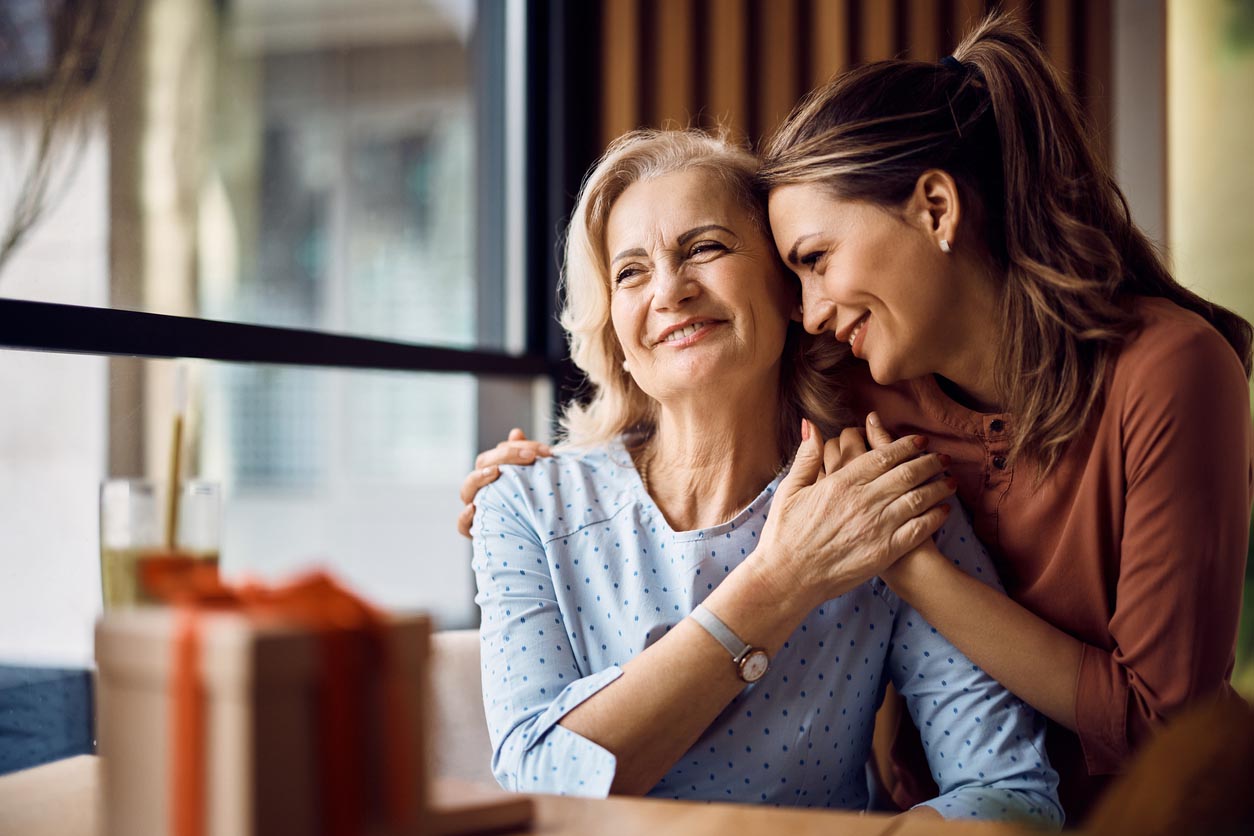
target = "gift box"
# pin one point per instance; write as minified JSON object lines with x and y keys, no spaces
{"x":249,"y":710}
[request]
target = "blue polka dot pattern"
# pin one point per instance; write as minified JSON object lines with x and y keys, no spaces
{"x":578,"y":572}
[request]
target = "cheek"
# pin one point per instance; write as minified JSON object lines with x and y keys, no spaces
{"x":622,"y":321}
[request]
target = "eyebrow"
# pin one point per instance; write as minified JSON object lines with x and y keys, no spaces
{"x":796,"y":245}
{"x":638,"y":252}
{"x":693,"y":233}
{"x":682,"y":239}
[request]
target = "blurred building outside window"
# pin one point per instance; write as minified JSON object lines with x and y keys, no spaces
{"x":303,"y":163}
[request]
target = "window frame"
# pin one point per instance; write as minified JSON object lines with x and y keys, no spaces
{"x":556,"y":150}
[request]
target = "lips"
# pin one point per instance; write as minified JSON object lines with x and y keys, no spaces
{"x":850,"y":332}
{"x":682,"y":332}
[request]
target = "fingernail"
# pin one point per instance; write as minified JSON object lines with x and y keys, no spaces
{"x":873,"y":419}
{"x":945,"y":509}
{"x":546,"y":449}
{"x":920,"y":441}
{"x":952,"y":483}
{"x":945,"y":460}
{"x":487,"y":471}
{"x":805,"y":430}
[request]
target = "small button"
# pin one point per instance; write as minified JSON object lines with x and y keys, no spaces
{"x":997,"y":425}
{"x":999,"y":462}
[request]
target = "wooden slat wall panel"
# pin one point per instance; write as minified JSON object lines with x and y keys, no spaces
{"x":674,"y":84}
{"x":620,"y":67}
{"x":829,"y":39}
{"x":966,"y":14}
{"x":1095,"y":81}
{"x":877,"y":35}
{"x":777,"y":65}
{"x":745,"y":63}
{"x":1056,"y":36}
{"x":924,"y":28}
{"x":727,"y":67}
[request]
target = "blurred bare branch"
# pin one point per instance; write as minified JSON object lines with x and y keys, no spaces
{"x":94,"y":32}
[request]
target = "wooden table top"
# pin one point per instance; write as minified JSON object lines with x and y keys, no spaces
{"x":63,"y":798}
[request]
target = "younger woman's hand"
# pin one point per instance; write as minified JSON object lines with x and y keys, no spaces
{"x":516,"y":449}
{"x":843,"y":514}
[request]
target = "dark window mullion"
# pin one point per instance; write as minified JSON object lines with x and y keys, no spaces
{"x":44,"y":326}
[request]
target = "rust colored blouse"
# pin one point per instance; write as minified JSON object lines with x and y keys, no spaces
{"x":1135,"y":543}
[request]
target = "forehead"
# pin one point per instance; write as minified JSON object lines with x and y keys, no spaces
{"x":666,"y":206}
{"x":805,"y":209}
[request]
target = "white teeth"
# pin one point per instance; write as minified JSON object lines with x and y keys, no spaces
{"x":682,"y":333}
{"x":854,"y":334}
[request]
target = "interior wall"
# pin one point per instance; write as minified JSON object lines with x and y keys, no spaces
{"x":745,"y":63}
{"x":1210,"y":86}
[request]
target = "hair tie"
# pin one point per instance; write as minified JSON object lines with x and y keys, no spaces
{"x":952,"y":63}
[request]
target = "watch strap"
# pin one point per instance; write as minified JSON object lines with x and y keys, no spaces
{"x":723,"y":634}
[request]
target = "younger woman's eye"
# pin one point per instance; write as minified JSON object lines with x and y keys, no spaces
{"x":810,"y":260}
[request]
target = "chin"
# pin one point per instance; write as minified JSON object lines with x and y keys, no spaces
{"x":886,"y":373}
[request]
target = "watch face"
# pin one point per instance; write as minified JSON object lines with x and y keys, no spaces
{"x":753,"y":667}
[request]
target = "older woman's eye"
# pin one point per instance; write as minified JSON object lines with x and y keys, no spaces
{"x":706,"y":248}
{"x":626,"y":274}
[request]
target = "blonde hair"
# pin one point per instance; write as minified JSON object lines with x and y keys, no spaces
{"x":1000,"y":121}
{"x":613,"y":405}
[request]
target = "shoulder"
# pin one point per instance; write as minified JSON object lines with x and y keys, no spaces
{"x":1173,"y":342}
{"x":574,"y":488}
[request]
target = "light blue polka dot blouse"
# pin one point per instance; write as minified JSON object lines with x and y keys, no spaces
{"x":578,"y":572}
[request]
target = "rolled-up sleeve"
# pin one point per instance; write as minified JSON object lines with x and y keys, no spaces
{"x":1186,"y":430}
{"x":530,"y":675}
{"x":985,"y":747}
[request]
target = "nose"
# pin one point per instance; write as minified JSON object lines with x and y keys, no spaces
{"x":817,"y":313}
{"x":672,"y":286}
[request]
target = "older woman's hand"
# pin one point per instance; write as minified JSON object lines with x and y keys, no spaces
{"x":516,"y":449}
{"x":843,"y":514}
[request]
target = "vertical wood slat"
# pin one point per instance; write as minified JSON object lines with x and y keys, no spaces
{"x":1022,"y":9}
{"x":829,"y":40}
{"x":1095,"y":87}
{"x":776,"y":64}
{"x":877,"y":35}
{"x":727,"y":48}
{"x":966,"y":14}
{"x":789,"y":60}
{"x":923,"y":27}
{"x":1056,"y":38}
{"x":620,"y":68}
{"x":671,"y":46}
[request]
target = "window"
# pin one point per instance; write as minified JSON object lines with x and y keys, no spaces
{"x":345,"y":216}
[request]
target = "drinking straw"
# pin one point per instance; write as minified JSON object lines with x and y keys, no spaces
{"x":176,"y":455}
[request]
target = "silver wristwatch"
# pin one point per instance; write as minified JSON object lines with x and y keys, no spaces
{"x":751,"y":662}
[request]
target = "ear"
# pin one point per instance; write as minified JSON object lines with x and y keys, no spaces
{"x":935,"y":203}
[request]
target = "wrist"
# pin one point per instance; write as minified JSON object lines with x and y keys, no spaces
{"x":913,"y":570}
{"x":779,"y":585}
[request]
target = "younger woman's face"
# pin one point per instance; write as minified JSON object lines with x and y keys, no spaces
{"x":871,"y":277}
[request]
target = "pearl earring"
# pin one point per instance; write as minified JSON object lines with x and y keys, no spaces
{"x":945,"y":248}
{"x":626,"y":367}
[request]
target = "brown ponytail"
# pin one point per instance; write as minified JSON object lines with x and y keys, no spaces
{"x":1001,"y":122}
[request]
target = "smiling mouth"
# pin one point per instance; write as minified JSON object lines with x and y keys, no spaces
{"x":857,"y":328}
{"x":686,"y":332}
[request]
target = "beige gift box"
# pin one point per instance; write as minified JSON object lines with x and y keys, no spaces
{"x":261,"y":725}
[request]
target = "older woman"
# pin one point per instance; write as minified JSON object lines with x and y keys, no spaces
{"x":647,"y":627}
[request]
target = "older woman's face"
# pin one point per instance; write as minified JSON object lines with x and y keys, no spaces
{"x":698,"y":297}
